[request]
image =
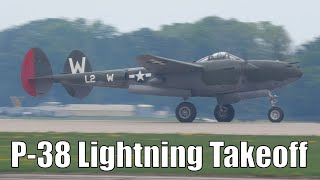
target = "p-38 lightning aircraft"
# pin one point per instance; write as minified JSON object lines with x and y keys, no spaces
{"x":221,"y":75}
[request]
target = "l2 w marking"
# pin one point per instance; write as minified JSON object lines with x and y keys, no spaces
{"x":77,"y":68}
{"x":88,"y":79}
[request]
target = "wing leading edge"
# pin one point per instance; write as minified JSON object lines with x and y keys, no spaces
{"x":160,"y":65}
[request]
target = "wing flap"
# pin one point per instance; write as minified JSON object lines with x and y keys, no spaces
{"x":160,"y":65}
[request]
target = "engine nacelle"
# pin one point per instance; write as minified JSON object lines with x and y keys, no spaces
{"x":151,"y":90}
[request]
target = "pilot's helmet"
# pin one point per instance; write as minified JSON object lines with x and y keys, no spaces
{"x":223,"y":55}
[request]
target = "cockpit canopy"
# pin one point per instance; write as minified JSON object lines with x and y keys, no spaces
{"x":219,"y":56}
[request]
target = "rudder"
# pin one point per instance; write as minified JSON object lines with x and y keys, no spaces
{"x":36,"y":73}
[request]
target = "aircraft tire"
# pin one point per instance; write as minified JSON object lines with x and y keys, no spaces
{"x":224,"y":113}
{"x":275,"y":114}
{"x":186,"y":112}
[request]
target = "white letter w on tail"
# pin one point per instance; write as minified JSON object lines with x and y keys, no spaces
{"x":77,"y":68}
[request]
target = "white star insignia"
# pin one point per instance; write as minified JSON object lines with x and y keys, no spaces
{"x":140,"y":76}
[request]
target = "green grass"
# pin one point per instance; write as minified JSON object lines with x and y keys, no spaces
{"x":27,"y":166}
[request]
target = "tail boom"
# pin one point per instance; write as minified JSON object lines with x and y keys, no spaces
{"x":77,"y":77}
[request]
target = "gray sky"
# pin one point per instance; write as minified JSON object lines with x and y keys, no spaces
{"x":300,"y":18}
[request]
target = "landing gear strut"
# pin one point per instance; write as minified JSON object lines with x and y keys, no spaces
{"x":186,"y":112}
{"x":275,"y":114}
{"x":224,"y":113}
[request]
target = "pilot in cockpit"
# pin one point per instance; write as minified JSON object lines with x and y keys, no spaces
{"x":219,"y":55}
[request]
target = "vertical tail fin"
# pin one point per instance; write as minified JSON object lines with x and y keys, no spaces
{"x":36,"y":72}
{"x":77,"y":62}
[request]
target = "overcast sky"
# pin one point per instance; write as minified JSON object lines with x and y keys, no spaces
{"x":301,"y":18}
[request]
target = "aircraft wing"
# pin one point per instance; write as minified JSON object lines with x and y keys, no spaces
{"x":160,"y":65}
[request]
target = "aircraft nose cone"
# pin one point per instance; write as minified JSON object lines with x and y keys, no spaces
{"x":294,"y":71}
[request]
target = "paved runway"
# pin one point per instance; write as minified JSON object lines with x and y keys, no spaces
{"x":111,"y":177}
{"x":123,"y":126}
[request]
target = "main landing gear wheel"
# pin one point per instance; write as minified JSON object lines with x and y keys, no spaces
{"x":186,"y":112}
{"x":224,"y":113}
{"x":275,"y":114}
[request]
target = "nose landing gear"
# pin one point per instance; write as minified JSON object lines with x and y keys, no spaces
{"x":275,"y":114}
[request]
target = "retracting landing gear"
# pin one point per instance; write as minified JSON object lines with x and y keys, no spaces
{"x":275,"y":113}
{"x":186,"y":112}
{"x":224,"y":113}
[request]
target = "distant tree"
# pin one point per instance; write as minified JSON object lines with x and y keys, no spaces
{"x":274,"y":40}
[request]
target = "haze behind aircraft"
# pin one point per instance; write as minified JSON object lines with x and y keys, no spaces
{"x":224,"y":76}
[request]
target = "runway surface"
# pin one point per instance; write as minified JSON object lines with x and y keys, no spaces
{"x":111,"y":177}
{"x":124,"y":126}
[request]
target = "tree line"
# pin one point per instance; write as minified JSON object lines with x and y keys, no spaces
{"x":108,"y":48}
